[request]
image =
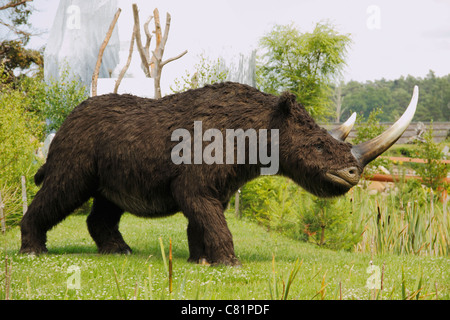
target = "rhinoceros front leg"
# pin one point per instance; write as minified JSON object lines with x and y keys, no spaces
{"x":208,"y":235}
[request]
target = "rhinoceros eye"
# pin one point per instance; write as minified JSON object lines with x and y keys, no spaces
{"x":319,"y":147}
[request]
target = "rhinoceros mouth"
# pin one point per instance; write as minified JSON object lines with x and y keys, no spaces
{"x":339,"y":180}
{"x":348,"y":177}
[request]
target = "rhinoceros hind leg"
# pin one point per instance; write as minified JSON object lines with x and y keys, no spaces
{"x":103,"y":225}
{"x":48,"y":208}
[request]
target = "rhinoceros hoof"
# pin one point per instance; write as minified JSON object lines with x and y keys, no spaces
{"x":115,"y":249}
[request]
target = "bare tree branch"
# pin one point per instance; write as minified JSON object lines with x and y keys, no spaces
{"x":157,"y":27}
{"x":14,"y":4}
{"x":145,"y":64}
{"x":125,"y":68}
{"x":153,"y":66}
{"x":166,"y":34}
{"x":100,"y":53}
{"x":173,"y":59}
{"x":149,"y":38}
{"x":15,"y":29}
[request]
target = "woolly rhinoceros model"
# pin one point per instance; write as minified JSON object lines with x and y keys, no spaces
{"x":154,"y":158}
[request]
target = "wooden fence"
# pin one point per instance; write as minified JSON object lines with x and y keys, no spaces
{"x":441,"y":130}
{"x":396,"y":178}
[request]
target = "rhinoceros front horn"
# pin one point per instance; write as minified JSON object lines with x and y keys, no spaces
{"x":369,"y":150}
{"x":341,"y":132}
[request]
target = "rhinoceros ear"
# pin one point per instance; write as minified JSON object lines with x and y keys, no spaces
{"x":286,"y":102}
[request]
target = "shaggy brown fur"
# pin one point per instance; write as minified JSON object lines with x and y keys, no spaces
{"x":117,"y":148}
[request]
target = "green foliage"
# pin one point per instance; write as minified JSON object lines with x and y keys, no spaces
{"x":25,"y":105}
{"x":52,"y":102}
{"x":272,"y":201}
{"x":432,"y":171}
{"x":280,"y":205}
{"x":206,"y":72}
{"x":19,"y":130}
{"x":366,"y":130}
{"x":303,"y":63}
{"x":370,"y":128}
{"x":329,"y":223}
{"x":393,"y":97}
{"x":409,"y":221}
{"x":13,"y":55}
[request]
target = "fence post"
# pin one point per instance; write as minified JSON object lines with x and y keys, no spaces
{"x":236,"y":204}
{"x":2,"y":216}
{"x":24,"y":195}
{"x":444,"y":208}
{"x":431,"y":218}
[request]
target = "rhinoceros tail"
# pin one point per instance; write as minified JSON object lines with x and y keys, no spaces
{"x":40,"y":175}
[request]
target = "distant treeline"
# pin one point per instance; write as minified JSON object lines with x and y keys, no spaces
{"x":393,"y":96}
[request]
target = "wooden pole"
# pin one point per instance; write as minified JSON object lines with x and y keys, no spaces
{"x":125,"y":68}
{"x":170,"y":266}
{"x":2,"y":216}
{"x":7,"y":277}
{"x":236,"y":204}
{"x":24,"y":195}
{"x":100,"y":53}
{"x":431,"y":219}
{"x":444,"y":208}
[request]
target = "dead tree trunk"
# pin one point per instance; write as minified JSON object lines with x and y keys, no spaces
{"x":100,"y":53}
{"x":125,"y":68}
{"x":153,"y":65}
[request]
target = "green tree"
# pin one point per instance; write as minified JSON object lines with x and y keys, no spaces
{"x":19,"y":132}
{"x":15,"y":31}
{"x":365,"y":131}
{"x":52,"y":102}
{"x":329,"y":223}
{"x":13,"y":55}
{"x":25,"y":105}
{"x":394,"y":95}
{"x":303,"y":63}
{"x":432,"y":172}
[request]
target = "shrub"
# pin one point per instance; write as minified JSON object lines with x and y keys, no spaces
{"x":19,"y":130}
{"x":272,"y":201}
{"x":53,"y":101}
{"x":25,"y":107}
{"x":206,"y":72}
{"x":330,"y":223}
{"x":432,"y":171}
{"x":280,"y":205}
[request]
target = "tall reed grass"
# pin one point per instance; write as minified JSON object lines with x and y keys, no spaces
{"x":406,"y":219}
{"x":416,"y":224}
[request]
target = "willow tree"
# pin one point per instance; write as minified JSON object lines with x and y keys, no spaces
{"x":303,"y":63}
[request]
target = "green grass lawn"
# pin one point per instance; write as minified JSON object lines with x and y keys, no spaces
{"x":323,"y":274}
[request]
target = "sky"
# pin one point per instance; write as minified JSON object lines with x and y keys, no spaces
{"x":390,"y":38}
